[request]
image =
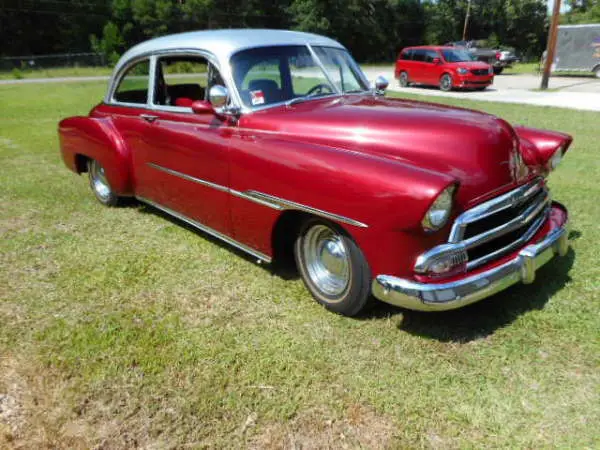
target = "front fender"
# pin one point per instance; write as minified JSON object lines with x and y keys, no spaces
{"x":389,"y":196}
{"x":537,"y":146}
{"x":97,"y":138}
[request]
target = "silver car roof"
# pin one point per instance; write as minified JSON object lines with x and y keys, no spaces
{"x":223,"y":43}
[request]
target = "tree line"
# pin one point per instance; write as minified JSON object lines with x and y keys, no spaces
{"x":374,"y":30}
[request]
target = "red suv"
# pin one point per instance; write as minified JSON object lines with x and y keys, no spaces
{"x":446,"y":67}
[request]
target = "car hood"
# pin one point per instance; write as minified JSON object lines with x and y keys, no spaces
{"x":472,"y":147}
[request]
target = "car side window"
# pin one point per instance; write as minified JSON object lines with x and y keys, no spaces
{"x":406,"y":55}
{"x":419,"y":55}
{"x":181,"y":80}
{"x":430,"y":55}
{"x":133,"y":86}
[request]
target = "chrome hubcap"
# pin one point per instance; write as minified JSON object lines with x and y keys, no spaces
{"x":404,"y":79}
{"x":99,"y":181}
{"x":326,"y":260}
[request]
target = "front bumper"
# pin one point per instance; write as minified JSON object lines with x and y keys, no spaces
{"x":473,"y":81}
{"x":444,"y":296}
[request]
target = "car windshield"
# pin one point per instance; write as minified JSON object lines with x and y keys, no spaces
{"x":452,"y":56}
{"x":269,"y":75}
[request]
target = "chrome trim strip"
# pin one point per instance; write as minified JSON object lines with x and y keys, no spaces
{"x":208,"y":230}
{"x":218,"y":187}
{"x":280,"y":203}
{"x":267,"y":200}
{"x":511,"y":198}
{"x":455,"y":294}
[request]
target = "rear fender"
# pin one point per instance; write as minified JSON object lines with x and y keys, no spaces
{"x":97,"y":138}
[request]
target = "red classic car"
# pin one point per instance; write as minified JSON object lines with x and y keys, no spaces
{"x":446,"y":67}
{"x":273,"y":142}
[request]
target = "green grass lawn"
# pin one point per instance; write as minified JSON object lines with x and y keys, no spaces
{"x":122,"y":328}
{"x":57,"y":72}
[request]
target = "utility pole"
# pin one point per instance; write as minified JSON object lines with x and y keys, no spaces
{"x":551,"y":46}
{"x":466,"y":20}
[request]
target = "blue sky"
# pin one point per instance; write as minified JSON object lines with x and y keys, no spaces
{"x":563,"y":8}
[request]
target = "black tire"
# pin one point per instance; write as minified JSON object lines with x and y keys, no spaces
{"x":354,"y":293}
{"x":498,"y":70}
{"x":100,"y":185}
{"x":403,"y":79}
{"x":446,"y":82}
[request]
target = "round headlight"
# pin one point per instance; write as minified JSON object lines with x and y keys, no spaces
{"x":555,"y":159}
{"x":437,"y":215}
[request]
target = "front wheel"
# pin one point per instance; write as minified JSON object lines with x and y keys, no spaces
{"x":446,"y":82}
{"x":100,"y":185}
{"x":403,"y":79}
{"x":333,"y":268}
{"x":498,"y":70}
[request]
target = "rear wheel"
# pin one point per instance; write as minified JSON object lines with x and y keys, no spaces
{"x":597,"y":72}
{"x":332,"y":267}
{"x":446,"y":82}
{"x":403,"y":79}
{"x":100,"y":185}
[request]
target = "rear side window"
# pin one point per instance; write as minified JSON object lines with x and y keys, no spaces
{"x":133,"y":87}
{"x":418,"y":55}
{"x":406,"y":55}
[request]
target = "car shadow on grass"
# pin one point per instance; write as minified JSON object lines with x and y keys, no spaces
{"x":482,"y":319}
{"x":145,"y":208}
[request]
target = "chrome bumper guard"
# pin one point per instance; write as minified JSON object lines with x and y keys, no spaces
{"x":444,"y":296}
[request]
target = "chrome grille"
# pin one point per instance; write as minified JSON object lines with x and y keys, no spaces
{"x":503,"y":224}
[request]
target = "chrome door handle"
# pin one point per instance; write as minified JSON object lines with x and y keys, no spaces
{"x":148,"y":117}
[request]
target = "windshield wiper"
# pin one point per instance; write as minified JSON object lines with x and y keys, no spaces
{"x":304,"y":98}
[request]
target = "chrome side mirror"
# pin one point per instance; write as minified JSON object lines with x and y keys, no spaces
{"x":381,"y":84}
{"x":218,"y":96}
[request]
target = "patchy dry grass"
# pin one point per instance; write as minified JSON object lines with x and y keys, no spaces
{"x":121,"y":328}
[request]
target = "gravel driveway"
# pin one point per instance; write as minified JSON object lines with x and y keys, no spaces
{"x":572,"y":92}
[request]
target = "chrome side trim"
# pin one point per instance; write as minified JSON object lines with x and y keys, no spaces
{"x":216,"y":186}
{"x":455,"y":294}
{"x":208,"y":230}
{"x":512,"y":198}
{"x":267,"y":200}
{"x":280,"y":203}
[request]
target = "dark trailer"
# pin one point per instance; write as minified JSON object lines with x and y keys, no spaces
{"x":578,"y":48}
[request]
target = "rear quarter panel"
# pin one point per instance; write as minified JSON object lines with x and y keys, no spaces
{"x":97,"y":138}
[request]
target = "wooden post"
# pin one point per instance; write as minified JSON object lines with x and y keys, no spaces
{"x":551,"y":46}
{"x":464,"y":37}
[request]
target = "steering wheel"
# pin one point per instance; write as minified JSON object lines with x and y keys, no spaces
{"x":318,"y":89}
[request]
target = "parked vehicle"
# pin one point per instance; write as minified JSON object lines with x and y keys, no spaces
{"x":445,"y":67}
{"x":578,"y":48}
{"x":273,"y":142}
{"x":498,"y":59}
